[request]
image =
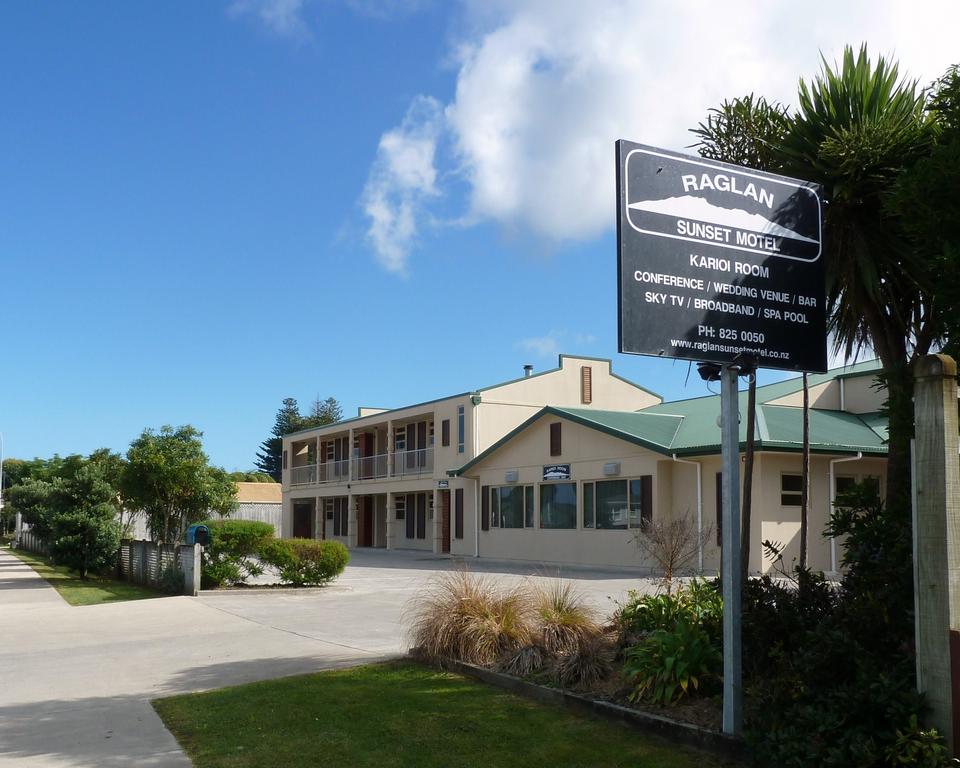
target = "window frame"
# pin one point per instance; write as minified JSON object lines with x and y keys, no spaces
{"x":461,"y":429}
{"x":784,"y":493}
{"x":528,"y":510}
{"x":634,"y":523}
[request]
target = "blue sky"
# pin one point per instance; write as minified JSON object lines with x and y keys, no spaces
{"x":208,"y":207}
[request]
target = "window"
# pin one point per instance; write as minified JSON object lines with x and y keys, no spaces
{"x":284,"y":459}
{"x":588,"y":516}
{"x":511,"y":506}
{"x":340,"y":521}
{"x":461,"y":429}
{"x":558,"y":505}
{"x":445,"y":433}
{"x":845,"y":484}
{"x":618,"y":504}
{"x":586,"y":385}
{"x":400,"y":507}
{"x":414,"y":515}
{"x":791,"y":490}
{"x":555,"y":438}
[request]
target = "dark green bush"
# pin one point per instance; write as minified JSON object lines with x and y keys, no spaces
{"x":230,"y":557}
{"x":305,"y":562}
{"x":830,"y":674}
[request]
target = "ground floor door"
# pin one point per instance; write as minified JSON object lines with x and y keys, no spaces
{"x":302,"y":520}
{"x":444,"y":521}
{"x":365,"y":522}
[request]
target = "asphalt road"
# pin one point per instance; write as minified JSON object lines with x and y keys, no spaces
{"x":76,"y":682}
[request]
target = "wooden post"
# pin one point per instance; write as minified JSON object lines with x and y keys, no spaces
{"x":936,"y":536}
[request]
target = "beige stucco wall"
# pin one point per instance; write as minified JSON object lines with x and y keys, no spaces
{"x":825,"y":396}
{"x":858,"y":395}
{"x":861,"y":396}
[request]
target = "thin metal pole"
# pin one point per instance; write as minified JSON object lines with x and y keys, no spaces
{"x":730,"y":569}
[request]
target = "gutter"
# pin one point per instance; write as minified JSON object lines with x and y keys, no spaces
{"x":699,"y":467}
{"x":830,"y":502}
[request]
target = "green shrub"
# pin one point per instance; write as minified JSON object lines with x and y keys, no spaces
{"x":469,"y":618}
{"x":230,"y":558}
{"x":305,"y":562}
{"x":699,"y":603}
{"x":830,"y":674}
{"x":668,"y":664}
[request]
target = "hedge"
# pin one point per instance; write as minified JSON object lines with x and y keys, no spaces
{"x":230,"y":558}
{"x":306,"y":562}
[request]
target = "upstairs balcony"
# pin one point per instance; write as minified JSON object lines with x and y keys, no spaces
{"x":398,"y":464}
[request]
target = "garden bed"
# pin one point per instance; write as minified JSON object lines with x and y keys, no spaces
{"x":690,"y":722}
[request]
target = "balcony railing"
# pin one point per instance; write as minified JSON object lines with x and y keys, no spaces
{"x":370,"y":467}
{"x":306,"y":475}
{"x":335,"y":471}
{"x":407,"y":463}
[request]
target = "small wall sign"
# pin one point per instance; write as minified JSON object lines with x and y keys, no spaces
{"x":556,"y":472}
{"x":443,"y":483}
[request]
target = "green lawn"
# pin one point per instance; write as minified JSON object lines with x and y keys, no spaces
{"x":400,"y":714}
{"x":94,"y":590}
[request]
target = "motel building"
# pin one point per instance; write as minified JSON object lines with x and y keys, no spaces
{"x":565,"y":465}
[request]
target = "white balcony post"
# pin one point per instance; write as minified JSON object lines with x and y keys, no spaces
{"x":352,"y":521}
{"x":350,"y":452}
{"x":390,"y":449}
{"x":435,"y":523}
{"x":391,"y":515}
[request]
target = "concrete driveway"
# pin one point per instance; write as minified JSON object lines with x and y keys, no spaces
{"x":76,"y":682}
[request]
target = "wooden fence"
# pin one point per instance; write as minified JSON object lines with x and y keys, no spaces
{"x":146,"y":562}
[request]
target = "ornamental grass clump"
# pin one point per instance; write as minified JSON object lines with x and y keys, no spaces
{"x":469,"y":618}
{"x":589,"y":663}
{"x":562,"y":616}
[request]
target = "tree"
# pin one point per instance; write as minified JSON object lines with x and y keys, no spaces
{"x":85,"y":532}
{"x":169,"y":479}
{"x":857,"y":129}
{"x":745,"y":131}
{"x":270,"y":457}
{"x":322,"y":412}
{"x":671,"y":543}
{"x":251,"y":477}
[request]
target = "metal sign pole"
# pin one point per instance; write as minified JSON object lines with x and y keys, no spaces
{"x":730,"y":570}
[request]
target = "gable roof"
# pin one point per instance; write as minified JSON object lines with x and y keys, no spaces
{"x":478,"y":392}
{"x":691,"y":427}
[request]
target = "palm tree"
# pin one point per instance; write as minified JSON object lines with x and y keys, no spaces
{"x":856,"y":130}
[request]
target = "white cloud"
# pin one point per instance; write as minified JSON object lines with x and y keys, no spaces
{"x":556,"y":341}
{"x":282,"y":17}
{"x":402,"y":178}
{"x":544,"y":87}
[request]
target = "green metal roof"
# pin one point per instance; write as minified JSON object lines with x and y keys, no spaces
{"x":691,"y":427}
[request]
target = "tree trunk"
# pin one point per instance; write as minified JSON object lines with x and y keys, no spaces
{"x":899,"y":381}
{"x":748,"y":480}
{"x":805,"y":474}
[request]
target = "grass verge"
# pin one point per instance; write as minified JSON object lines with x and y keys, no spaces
{"x":92,"y":591}
{"x":400,"y":714}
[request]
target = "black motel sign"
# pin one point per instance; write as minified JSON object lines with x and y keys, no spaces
{"x":716,"y":260}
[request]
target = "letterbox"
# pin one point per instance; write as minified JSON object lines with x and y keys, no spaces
{"x":198,"y":534}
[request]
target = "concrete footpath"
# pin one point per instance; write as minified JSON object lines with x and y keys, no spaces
{"x":76,"y":682}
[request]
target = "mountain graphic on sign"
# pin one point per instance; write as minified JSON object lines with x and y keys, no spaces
{"x":689,"y":207}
